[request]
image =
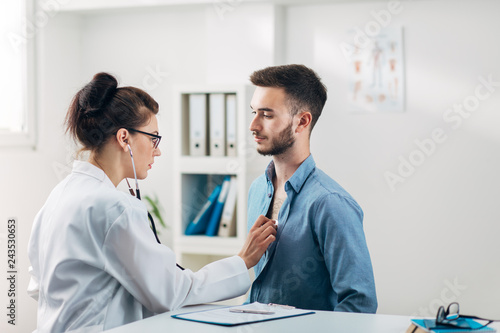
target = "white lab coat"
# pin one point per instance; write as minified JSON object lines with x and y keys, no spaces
{"x":96,"y":264}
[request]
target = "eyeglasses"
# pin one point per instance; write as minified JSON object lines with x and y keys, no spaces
{"x":450,"y":317}
{"x":156,"y":138}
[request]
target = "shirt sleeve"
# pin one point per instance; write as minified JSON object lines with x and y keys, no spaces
{"x":148,"y":269}
{"x":338,"y":225}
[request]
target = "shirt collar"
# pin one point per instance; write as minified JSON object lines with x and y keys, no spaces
{"x":270,"y":171}
{"x":299,"y":176}
{"x":92,"y":171}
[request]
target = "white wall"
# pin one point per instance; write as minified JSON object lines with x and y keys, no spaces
{"x":435,"y":228}
{"x":441,"y":224}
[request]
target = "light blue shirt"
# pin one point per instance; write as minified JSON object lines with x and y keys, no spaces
{"x":319,"y":259}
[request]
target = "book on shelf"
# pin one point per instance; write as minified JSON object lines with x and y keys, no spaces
{"x":429,"y":325}
{"x":213,"y":224}
{"x":227,"y":227}
{"x":198,"y":226}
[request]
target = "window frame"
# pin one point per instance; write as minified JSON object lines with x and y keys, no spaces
{"x":27,"y":137}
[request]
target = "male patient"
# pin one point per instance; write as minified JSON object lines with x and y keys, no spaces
{"x":320,"y":259}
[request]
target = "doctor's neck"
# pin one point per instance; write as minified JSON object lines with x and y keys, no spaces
{"x":110,"y":160}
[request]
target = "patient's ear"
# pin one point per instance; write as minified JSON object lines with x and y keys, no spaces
{"x":305,"y":119}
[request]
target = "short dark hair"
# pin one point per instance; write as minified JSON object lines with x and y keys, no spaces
{"x":100,"y":109}
{"x":302,"y":85}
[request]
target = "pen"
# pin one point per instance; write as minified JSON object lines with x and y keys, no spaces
{"x":282,"y":306}
{"x":251,"y":311}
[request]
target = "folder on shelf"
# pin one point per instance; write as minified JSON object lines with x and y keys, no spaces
{"x":227,"y":227}
{"x":217,"y":128}
{"x":231,"y":125}
{"x":213,"y":224}
{"x":200,"y":223}
{"x":198,"y":124}
{"x":243,"y":314}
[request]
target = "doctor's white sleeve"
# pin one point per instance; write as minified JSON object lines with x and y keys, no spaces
{"x":34,"y":286}
{"x":148,"y":270}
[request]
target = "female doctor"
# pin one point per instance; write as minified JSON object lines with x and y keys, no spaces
{"x":95,"y":261}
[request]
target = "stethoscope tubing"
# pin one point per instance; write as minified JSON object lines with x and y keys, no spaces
{"x":138,"y":196}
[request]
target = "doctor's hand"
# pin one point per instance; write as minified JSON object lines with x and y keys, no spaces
{"x":260,"y":236}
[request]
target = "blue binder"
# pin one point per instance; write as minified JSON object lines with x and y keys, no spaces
{"x":213,"y":224}
{"x":199,"y":224}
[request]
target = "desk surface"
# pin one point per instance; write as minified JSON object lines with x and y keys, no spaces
{"x":321,"y":321}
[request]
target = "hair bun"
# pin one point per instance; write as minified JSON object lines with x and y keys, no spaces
{"x":96,"y":94}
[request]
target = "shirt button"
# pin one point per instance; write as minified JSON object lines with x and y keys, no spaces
{"x":269,"y":195}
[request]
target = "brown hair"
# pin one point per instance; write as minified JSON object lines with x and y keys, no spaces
{"x":100,"y":109}
{"x":302,"y":85}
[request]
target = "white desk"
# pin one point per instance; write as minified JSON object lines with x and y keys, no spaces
{"x":321,"y":321}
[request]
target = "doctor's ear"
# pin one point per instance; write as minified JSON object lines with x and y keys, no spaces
{"x":122,"y":137}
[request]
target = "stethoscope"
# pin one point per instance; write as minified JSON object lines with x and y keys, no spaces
{"x":137,"y":194}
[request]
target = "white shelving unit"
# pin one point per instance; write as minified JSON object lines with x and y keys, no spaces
{"x":192,"y":174}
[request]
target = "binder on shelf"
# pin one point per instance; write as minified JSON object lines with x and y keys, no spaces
{"x":217,"y":121}
{"x":231,"y":125}
{"x":198,"y":125}
{"x":227,"y":227}
{"x":213,"y":224}
{"x":200,"y":223}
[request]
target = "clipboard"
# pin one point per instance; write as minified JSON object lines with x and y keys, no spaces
{"x":243,"y":314}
